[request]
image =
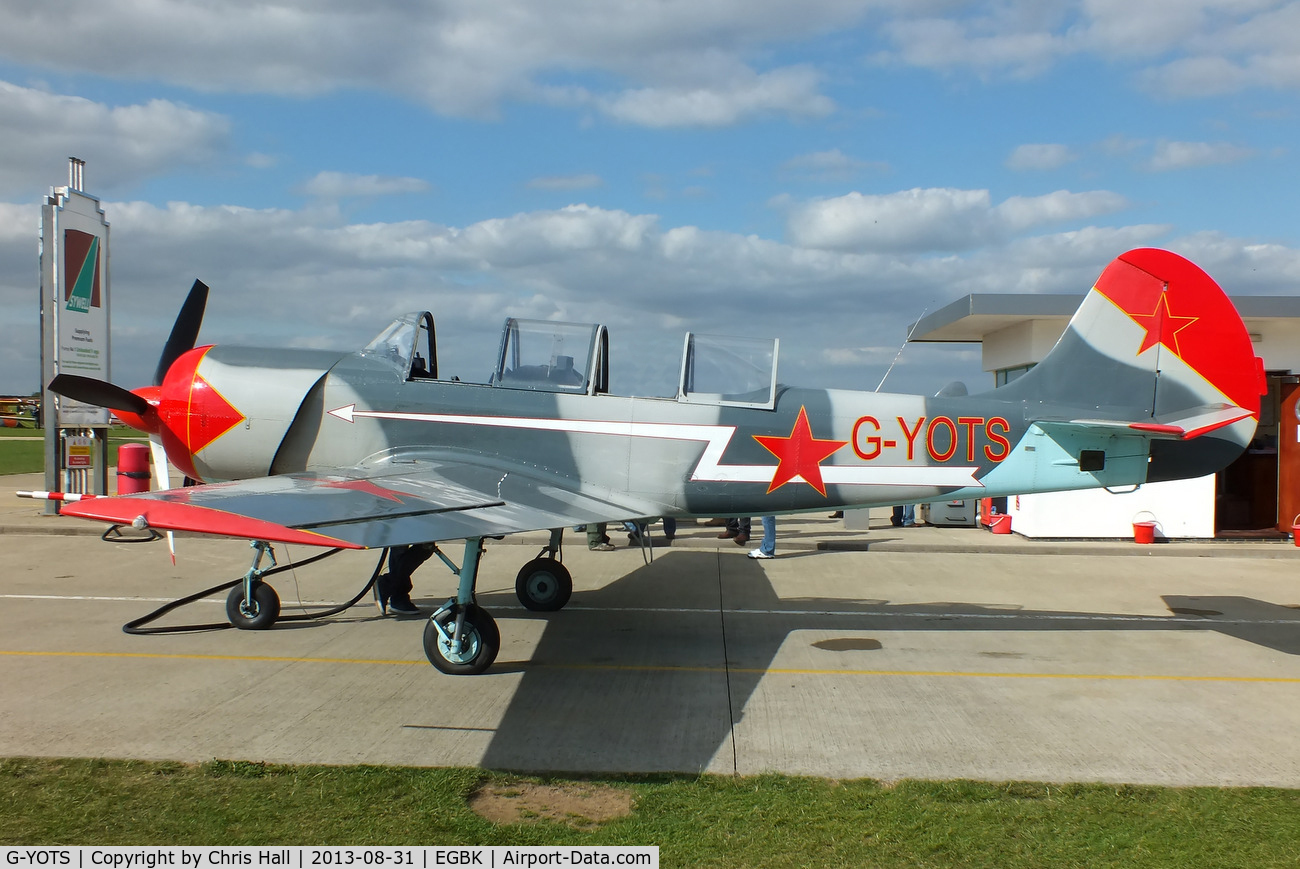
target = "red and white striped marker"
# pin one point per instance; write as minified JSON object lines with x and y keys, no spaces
{"x":55,"y":496}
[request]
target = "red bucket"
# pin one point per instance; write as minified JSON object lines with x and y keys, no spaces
{"x":1144,"y":532}
{"x":1000,"y":523}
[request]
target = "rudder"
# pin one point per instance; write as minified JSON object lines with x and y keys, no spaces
{"x":1155,"y":337}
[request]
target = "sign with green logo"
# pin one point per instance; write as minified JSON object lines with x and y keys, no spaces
{"x":81,"y":262}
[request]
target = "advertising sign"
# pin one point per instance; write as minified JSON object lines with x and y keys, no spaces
{"x":74,"y":298}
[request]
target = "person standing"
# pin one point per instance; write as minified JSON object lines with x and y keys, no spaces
{"x":597,"y":539}
{"x":766,"y":549}
{"x":737,"y":531}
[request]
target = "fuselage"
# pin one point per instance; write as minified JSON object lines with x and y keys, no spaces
{"x":285,"y":411}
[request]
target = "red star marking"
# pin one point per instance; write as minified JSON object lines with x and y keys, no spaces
{"x":799,"y":455}
{"x":1162,"y":327}
{"x":367,"y":487}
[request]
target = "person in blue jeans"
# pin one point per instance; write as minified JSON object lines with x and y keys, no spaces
{"x":767,"y":549}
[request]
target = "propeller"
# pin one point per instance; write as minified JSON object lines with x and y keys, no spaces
{"x":183,"y":337}
{"x":138,"y":408}
{"x":100,"y":393}
{"x":185,"y":331}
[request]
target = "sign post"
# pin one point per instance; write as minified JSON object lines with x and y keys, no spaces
{"x":74,"y":334}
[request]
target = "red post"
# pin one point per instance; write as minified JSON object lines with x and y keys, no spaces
{"x":132,"y":469}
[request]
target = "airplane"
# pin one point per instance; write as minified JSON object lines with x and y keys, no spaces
{"x":23,"y":412}
{"x":1153,"y":379}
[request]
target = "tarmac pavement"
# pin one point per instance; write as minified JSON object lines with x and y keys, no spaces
{"x":895,"y":653}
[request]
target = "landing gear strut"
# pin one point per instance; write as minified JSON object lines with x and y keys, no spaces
{"x":253,"y":605}
{"x":461,"y":641}
{"x":544,"y":584}
{"x":461,"y":638}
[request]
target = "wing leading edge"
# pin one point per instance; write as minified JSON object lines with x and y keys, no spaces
{"x":367,"y":508}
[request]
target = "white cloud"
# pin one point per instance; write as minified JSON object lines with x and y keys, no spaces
{"x":935,"y":219}
{"x":832,"y":165}
{"x":284,"y":277}
{"x":986,"y":47}
{"x":790,"y":91}
{"x":1179,"y":48}
{"x":342,"y":185}
{"x":1040,"y":158}
{"x":1168,"y":156}
{"x":120,"y":144}
{"x":696,"y":63}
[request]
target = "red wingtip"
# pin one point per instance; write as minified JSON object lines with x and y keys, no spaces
{"x":170,"y":515}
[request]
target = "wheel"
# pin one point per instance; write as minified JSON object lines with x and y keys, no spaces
{"x":256,"y":616}
{"x":480,"y":640}
{"x":543,"y":585}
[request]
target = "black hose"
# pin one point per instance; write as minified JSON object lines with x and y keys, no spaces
{"x":136,"y":626}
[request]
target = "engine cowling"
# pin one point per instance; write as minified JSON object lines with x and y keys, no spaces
{"x":222,"y":412}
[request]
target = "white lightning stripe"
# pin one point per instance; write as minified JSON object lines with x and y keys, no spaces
{"x":715,"y":438}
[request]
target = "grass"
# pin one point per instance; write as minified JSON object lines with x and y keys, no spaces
{"x":21,"y":456}
{"x":766,"y":821}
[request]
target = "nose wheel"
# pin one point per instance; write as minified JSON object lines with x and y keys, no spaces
{"x":256,"y":613}
{"x":253,"y":605}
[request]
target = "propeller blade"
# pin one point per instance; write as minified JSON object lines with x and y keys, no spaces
{"x":100,"y":393}
{"x":185,"y":331}
{"x":161,"y":472}
{"x":162,"y":480}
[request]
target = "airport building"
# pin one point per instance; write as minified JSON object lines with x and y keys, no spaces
{"x":1256,"y":496}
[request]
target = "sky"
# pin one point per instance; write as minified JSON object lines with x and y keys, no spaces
{"x":824,"y":172}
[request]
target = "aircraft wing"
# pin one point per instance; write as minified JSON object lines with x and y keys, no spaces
{"x":371,"y":507}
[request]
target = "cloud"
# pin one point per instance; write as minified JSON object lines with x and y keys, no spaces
{"x":342,"y":185}
{"x":1178,"y":48}
{"x":705,"y":63}
{"x":935,"y":219}
{"x":832,"y":165}
{"x":700,"y":63}
{"x":791,"y":91}
{"x":1040,"y":158}
{"x":285,"y":277}
{"x":120,"y":144}
{"x":988,"y":47}
{"x":1169,"y":156}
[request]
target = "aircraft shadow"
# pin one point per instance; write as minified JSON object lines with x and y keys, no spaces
{"x":652,"y":672}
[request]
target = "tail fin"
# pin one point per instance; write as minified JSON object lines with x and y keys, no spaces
{"x":1155,"y":348}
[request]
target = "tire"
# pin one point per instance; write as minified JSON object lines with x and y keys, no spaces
{"x":480,"y":642}
{"x":543,"y":585}
{"x":262,"y":614}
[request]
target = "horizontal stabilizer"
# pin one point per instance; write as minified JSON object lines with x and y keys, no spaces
{"x":1184,"y":426}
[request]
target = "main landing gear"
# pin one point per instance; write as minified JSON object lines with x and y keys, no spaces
{"x":461,"y":638}
{"x":544,"y":584}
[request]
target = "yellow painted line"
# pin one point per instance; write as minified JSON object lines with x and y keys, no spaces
{"x":274,"y":659}
{"x":653,"y":668}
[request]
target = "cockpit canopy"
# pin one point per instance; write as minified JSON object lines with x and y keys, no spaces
{"x":718,"y":369}
{"x":409,"y":344}
{"x":553,"y":357}
{"x":549,"y":356}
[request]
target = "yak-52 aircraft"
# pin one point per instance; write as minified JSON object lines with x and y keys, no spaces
{"x":1154,"y":379}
